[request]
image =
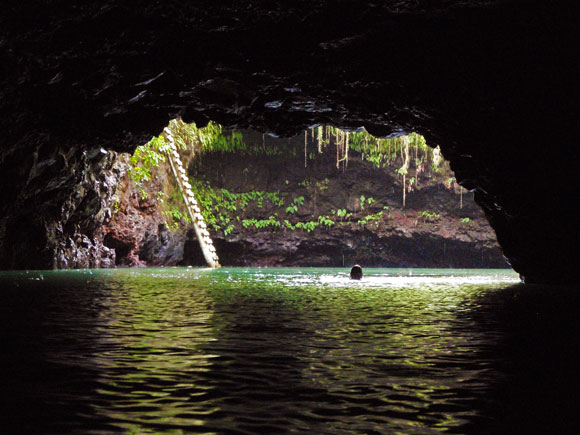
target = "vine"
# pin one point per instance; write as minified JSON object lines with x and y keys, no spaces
{"x":223,"y":210}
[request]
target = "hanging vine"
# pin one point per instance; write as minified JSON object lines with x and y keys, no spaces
{"x":409,"y":154}
{"x":410,"y":151}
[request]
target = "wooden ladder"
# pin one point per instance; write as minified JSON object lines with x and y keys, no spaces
{"x":191,"y":205}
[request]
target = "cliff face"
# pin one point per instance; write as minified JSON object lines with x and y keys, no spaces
{"x":54,"y":203}
{"x":494,"y":83}
{"x":272,"y":210}
{"x":137,"y":231}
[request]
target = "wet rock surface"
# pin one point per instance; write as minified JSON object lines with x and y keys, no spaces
{"x":439,"y":227}
{"x":494,"y":83}
{"x":401,"y":237}
{"x":137,"y":231}
{"x":54,"y":206}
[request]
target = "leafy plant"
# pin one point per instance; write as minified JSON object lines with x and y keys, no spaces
{"x":429,"y":215}
{"x":116,"y":206}
{"x":326,"y":221}
{"x":307,"y":226}
{"x":146,"y":158}
{"x":291,"y":209}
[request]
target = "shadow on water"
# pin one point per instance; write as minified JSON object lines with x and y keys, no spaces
{"x":287,"y":350}
{"x":48,"y":330}
{"x":536,"y":357}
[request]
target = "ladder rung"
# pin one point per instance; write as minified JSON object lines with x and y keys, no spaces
{"x":189,"y":199}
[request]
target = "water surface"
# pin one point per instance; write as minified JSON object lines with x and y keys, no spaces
{"x":286,"y":351}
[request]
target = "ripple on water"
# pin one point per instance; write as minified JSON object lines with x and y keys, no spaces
{"x":252,"y":351}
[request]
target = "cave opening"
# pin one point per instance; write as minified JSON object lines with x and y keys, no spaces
{"x":324,"y":197}
{"x":274,"y":350}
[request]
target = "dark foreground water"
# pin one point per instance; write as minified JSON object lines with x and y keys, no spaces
{"x":287,"y":350}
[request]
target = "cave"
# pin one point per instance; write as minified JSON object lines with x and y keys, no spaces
{"x":492,"y":82}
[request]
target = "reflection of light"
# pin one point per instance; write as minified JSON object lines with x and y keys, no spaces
{"x":151,"y":355}
{"x":388,"y":278}
{"x":413,"y":281}
{"x":400,"y":342}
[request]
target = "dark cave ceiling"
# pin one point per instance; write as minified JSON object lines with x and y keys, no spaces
{"x":494,"y":83}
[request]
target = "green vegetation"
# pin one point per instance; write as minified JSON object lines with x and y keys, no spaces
{"x":262,"y":223}
{"x":409,"y":154}
{"x":293,"y":208}
{"x":342,"y":214}
{"x":363,"y":199}
{"x":429,"y":216}
{"x":116,"y":206}
{"x":370,"y":218}
{"x":326,"y":221}
{"x":223,"y":210}
{"x":220,"y":207}
{"x":145,"y":159}
{"x":173,"y":208}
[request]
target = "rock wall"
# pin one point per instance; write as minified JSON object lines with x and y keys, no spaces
{"x":55,"y":201}
{"x":494,"y":83}
{"x":455,"y":235}
{"x":137,"y":231}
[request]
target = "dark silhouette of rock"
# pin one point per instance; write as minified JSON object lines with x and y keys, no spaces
{"x":494,"y":83}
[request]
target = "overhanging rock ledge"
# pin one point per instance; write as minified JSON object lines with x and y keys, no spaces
{"x":494,"y":83}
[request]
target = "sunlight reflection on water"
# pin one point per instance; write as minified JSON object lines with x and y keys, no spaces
{"x":245,"y":350}
{"x":377,"y":278}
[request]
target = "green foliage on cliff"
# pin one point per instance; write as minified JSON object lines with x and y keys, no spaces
{"x":191,"y":140}
{"x":145,"y":159}
{"x":220,"y":207}
{"x":408,"y":155}
{"x":224,"y":211}
{"x":429,"y":215}
{"x":406,"y":152}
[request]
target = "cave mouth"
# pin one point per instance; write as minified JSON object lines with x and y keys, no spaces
{"x":325,"y":197}
{"x":493,"y":82}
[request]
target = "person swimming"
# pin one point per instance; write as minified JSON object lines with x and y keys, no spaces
{"x":356,"y":272}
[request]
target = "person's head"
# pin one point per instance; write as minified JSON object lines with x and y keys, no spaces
{"x":356,"y":272}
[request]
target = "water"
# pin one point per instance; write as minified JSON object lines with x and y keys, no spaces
{"x":286,"y":351}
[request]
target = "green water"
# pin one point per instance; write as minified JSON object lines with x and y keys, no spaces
{"x":240,"y":350}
